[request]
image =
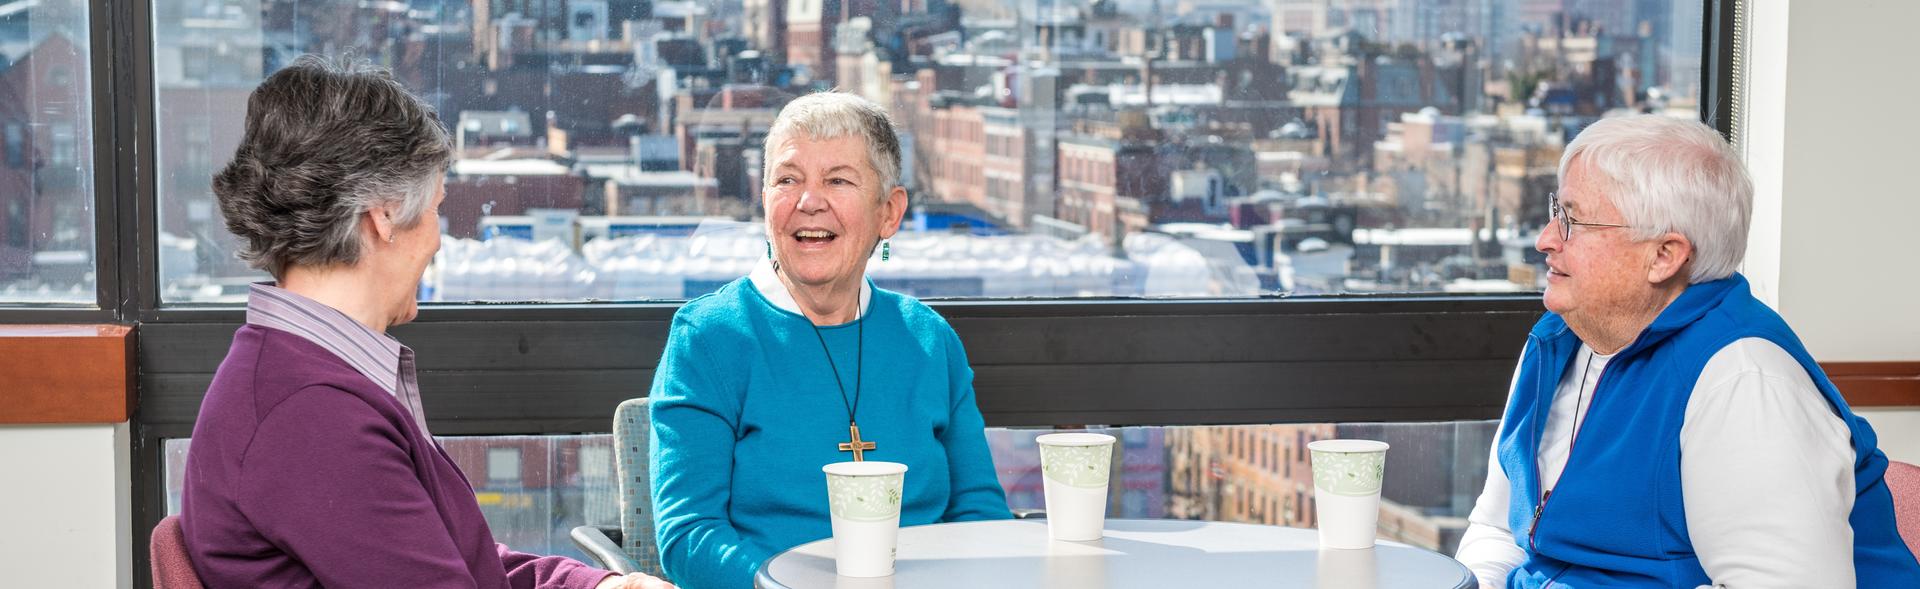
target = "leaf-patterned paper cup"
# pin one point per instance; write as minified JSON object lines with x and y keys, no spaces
{"x":1077,"y":459}
{"x":1075,"y":469}
{"x":864,"y":498}
{"x":865,"y":491}
{"x":1346,"y":491}
{"x":1353,"y":468}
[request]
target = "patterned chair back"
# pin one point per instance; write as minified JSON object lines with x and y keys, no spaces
{"x":632,"y":428}
{"x":168,"y":556}
{"x":1903,"y":480}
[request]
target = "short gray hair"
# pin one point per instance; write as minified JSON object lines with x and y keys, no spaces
{"x":325,"y":141}
{"x":833,"y":114}
{"x":1668,"y":174}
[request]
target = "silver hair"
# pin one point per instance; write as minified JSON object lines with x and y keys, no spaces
{"x":1669,"y":174}
{"x":325,"y":141}
{"x":833,"y":114}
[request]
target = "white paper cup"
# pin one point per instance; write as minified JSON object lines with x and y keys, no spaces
{"x":1076,"y":468}
{"x":864,"y":498}
{"x":1346,"y":490}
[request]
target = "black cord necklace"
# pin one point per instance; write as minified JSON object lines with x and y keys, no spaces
{"x":1574,"y":436}
{"x":854,"y":444}
{"x":1580,"y":396}
{"x":1572,"y":439}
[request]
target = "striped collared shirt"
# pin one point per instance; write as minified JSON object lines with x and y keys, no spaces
{"x":374,"y":355}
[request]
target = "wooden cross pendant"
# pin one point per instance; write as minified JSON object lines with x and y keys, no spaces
{"x":855,"y":445}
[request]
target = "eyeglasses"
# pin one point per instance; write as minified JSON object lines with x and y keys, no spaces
{"x":1557,"y":213}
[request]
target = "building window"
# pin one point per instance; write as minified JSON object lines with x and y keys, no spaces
{"x":503,"y":465}
{"x":596,"y":462}
{"x":64,"y":150}
{"x":16,"y":140}
{"x":46,"y":186}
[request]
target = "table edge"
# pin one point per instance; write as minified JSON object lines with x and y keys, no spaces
{"x":764,"y":580}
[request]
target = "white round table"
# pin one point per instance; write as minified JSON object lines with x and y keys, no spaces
{"x":1134,"y":553}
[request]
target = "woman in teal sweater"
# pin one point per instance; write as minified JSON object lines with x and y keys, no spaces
{"x":766,"y":380}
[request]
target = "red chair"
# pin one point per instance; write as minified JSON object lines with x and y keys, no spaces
{"x":168,"y":553}
{"x":1904,"y":481}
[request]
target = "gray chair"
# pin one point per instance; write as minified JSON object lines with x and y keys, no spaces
{"x":628,"y":548}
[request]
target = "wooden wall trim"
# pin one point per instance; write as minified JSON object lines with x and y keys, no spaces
{"x":66,"y":374}
{"x":1876,"y":384}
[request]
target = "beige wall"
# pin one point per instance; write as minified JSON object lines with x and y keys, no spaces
{"x":1831,"y":137}
{"x":1841,"y":115}
{"x":65,"y":508}
{"x":1899,"y":431}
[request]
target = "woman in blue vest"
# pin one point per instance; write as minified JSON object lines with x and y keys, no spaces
{"x":1666,"y":428}
{"x":804,"y":363}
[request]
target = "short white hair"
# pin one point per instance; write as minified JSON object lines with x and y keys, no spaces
{"x":833,"y":114}
{"x":1670,"y":174}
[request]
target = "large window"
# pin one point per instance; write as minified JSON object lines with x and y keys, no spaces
{"x":611,"y":149}
{"x":46,"y":172}
{"x":535,"y":489}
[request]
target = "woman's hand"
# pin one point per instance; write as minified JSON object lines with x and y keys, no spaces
{"x":633,"y":581}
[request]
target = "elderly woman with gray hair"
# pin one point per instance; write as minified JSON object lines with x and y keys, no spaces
{"x":764,"y":381}
{"x":311,"y":464}
{"x":1665,"y":428}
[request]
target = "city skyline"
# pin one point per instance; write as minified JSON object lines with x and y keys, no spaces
{"x":1319,"y":146}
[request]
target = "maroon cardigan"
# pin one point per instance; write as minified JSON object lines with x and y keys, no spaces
{"x":304,"y":473}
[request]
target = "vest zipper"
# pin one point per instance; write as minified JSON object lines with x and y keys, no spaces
{"x":1556,"y":576}
{"x":1533,"y":527}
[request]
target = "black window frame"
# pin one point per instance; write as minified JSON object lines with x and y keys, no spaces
{"x":1404,"y":358}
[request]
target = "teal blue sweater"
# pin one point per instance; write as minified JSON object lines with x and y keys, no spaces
{"x":746,"y":411}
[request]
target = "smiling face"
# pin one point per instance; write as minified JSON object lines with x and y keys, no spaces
{"x":825,"y":211}
{"x":1597,"y":272}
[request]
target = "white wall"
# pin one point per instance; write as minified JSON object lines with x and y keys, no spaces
{"x":1840,"y":110}
{"x":1899,"y":431}
{"x":66,"y":513}
{"x":1762,"y":140}
{"x":1831,"y":139}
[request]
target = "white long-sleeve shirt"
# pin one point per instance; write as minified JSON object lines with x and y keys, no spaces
{"x":1766,"y":472}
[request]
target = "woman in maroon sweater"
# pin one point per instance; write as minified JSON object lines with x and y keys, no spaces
{"x":311,"y":464}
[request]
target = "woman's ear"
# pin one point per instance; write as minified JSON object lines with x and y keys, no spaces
{"x":1671,"y":255}
{"x":380,"y":220}
{"x":892,"y":210}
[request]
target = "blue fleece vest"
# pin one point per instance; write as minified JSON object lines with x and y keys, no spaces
{"x":1615,"y":517}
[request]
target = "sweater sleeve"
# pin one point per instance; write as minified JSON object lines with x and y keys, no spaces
{"x":695,"y":416}
{"x":1766,"y":470}
{"x":976,"y":490}
{"x":533,"y":571}
{"x":340,"y":494}
{"x":1488,"y":547}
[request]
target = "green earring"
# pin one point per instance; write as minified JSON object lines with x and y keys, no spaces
{"x":769,"y":250}
{"x":886,"y":250}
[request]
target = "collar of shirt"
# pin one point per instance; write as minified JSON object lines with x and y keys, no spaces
{"x":766,"y":281}
{"x":374,"y":355}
